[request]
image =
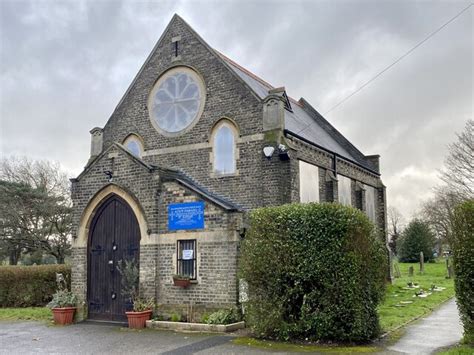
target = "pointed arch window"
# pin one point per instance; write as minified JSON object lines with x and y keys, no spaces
{"x":134,"y":144}
{"x":224,"y":150}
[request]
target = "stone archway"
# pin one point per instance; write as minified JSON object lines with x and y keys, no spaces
{"x":80,"y":256}
{"x":114,"y":237}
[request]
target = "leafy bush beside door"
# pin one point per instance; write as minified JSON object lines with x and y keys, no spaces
{"x":314,"y":271}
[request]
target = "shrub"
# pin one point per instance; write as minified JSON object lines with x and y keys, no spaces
{"x":175,"y":317}
{"x":130,"y":276}
{"x":223,"y":316}
{"x":462,"y":245}
{"x":29,"y":286}
{"x":314,"y":271}
{"x":63,"y":297}
{"x":416,"y":238}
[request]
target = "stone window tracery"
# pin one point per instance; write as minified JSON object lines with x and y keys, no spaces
{"x":176,"y":101}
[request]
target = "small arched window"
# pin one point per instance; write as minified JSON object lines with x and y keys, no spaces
{"x":223,"y":146}
{"x":134,"y":144}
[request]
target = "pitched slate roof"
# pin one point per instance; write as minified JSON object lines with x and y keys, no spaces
{"x":186,"y":181}
{"x":303,"y":120}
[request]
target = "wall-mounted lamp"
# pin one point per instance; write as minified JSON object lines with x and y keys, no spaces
{"x":268,"y":151}
{"x":109,"y":174}
{"x":283,"y":152}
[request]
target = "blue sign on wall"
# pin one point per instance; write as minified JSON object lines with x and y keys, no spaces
{"x":188,"y":215}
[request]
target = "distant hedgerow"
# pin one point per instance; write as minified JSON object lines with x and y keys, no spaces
{"x":314,"y":271}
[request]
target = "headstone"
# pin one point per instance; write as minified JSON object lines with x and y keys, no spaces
{"x":396,"y":270}
{"x":410,"y":271}
{"x":450,"y":272}
{"x":449,"y":269}
{"x":422,"y":262}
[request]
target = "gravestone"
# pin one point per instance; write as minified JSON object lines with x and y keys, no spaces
{"x":450,"y":272}
{"x":396,"y":271}
{"x":410,"y":271}
{"x":449,"y":268}
{"x":422,"y":262}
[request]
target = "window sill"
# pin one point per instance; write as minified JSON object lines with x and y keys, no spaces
{"x":218,"y":176}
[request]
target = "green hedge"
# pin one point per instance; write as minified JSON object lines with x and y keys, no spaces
{"x":29,"y":286}
{"x":314,"y":272}
{"x":462,"y":245}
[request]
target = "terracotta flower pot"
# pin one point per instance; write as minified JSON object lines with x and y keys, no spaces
{"x":182,"y":282}
{"x":63,"y":316}
{"x":137,"y":320}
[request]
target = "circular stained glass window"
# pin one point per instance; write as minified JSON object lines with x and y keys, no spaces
{"x":176,"y":101}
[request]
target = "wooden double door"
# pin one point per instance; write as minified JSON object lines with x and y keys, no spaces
{"x":114,"y":236}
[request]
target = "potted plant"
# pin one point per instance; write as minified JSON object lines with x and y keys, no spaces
{"x":142,"y":307}
{"x":63,"y":304}
{"x":142,"y":310}
{"x":181,"y":280}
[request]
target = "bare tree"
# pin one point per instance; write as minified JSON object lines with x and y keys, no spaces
{"x":39,"y":174}
{"x":395,"y":220}
{"x":439,"y":212}
{"x":35,"y":208}
{"x":459,"y":164}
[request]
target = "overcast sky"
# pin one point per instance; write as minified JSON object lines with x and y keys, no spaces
{"x":66,"y":64}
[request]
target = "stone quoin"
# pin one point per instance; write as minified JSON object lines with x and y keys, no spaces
{"x":178,"y":165}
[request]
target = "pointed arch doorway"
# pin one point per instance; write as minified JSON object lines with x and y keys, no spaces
{"x":114,"y":235}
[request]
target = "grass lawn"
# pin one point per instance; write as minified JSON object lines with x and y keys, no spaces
{"x":400,"y":306}
{"x":458,"y":350}
{"x":291,"y":347}
{"x":29,"y":313}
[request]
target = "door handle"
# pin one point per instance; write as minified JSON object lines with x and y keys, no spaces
{"x":111,"y":266}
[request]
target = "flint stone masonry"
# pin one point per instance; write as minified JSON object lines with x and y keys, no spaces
{"x":179,"y":169}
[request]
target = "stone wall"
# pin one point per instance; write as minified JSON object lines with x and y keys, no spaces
{"x":216,"y":254}
{"x":217,"y":244}
{"x":325,"y":161}
{"x":226,"y":96}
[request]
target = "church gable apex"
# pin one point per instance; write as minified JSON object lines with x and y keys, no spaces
{"x":115,"y":151}
{"x":178,"y":46}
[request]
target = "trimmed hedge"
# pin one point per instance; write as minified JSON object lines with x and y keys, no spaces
{"x":29,"y":286}
{"x":462,"y":245}
{"x":314,"y":272}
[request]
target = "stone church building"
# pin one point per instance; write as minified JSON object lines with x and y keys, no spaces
{"x":194,"y":144}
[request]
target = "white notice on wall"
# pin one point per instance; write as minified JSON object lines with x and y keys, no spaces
{"x":187,"y":254}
